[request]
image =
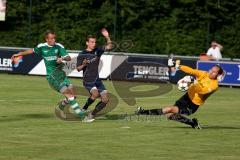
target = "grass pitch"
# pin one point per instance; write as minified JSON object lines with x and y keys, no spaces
{"x":29,"y":129}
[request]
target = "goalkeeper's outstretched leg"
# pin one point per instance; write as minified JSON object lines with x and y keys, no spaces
{"x":183,"y":106}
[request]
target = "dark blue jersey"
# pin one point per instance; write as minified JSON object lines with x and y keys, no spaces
{"x":90,"y":72}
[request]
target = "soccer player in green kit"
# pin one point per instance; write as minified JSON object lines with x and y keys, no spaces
{"x":54,"y":54}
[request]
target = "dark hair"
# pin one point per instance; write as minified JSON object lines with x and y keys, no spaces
{"x":49,"y":31}
{"x":90,"y":36}
{"x":220,"y":71}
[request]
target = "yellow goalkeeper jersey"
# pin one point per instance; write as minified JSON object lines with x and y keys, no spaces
{"x":200,"y":90}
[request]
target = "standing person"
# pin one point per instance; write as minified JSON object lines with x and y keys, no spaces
{"x":214,"y":52}
{"x":88,"y":61}
{"x":206,"y":84}
{"x":54,"y":54}
{"x":2,"y":9}
{"x":3,"y":5}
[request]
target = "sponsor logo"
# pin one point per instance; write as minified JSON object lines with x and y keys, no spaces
{"x":146,"y":71}
{"x":50,"y":58}
{"x":6,"y":64}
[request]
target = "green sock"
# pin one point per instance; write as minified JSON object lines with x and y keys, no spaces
{"x":75,"y":106}
{"x":63,"y":103}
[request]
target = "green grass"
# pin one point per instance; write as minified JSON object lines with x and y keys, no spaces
{"x":29,"y":129}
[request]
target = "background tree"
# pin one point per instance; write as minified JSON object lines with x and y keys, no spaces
{"x":183,"y":27}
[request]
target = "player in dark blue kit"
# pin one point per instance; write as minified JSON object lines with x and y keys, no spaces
{"x":88,"y":61}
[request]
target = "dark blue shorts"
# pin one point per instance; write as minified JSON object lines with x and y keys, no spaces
{"x":94,"y":85}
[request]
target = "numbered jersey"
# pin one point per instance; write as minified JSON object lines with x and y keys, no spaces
{"x":50,"y":55}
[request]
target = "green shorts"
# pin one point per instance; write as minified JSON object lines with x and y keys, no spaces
{"x":57,"y":82}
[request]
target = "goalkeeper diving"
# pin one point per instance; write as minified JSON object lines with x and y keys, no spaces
{"x":198,"y":92}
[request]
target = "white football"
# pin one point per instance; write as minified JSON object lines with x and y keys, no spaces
{"x":184,"y":83}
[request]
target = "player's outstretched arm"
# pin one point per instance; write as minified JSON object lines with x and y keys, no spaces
{"x":62,"y":59}
{"x":191,"y":71}
{"x":218,"y":45}
{"x":84,"y":64}
{"x":23,"y":53}
{"x":67,"y":58}
{"x":105,"y":33}
{"x":174,"y":66}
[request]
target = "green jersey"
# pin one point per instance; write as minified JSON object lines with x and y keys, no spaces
{"x":50,"y":55}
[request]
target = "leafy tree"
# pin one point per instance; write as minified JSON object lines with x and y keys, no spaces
{"x":184,"y":27}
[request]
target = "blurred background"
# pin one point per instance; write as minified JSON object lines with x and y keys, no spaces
{"x":182,"y":27}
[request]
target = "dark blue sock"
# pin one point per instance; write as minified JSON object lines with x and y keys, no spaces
{"x":88,"y":103}
{"x":98,"y":108}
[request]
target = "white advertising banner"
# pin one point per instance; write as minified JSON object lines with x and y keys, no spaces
{"x":106,"y":67}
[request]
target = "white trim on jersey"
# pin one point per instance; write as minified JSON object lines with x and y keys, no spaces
{"x":59,"y":45}
{"x":41,"y":45}
{"x":38,"y":46}
{"x":47,"y":44}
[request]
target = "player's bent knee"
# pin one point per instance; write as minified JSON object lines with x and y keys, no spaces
{"x":95,"y":94}
{"x":104,"y":96}
{"x":167,"y":110}
{"x":64,"y":90}
{"x":105,"y":100}
{"x":173,"y":110}
{"x":67,"y":93}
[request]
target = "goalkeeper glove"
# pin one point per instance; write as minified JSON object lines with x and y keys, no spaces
{"x":177,"y":64}
{"x":172,"y":63}
{"x":174,"y":66}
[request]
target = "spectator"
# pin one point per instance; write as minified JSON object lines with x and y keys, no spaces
{"x":214,"y":53}
{"x":3,"y":5}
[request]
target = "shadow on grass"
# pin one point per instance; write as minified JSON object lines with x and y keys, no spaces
{"x":36,"y":116}
{"x":20,"y":117}
{"x":113,"y":117}
{"x":6,"y":119}
{"x":206,"y":127}
{"x":134,"y":117}
{"x":221,"y":127}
